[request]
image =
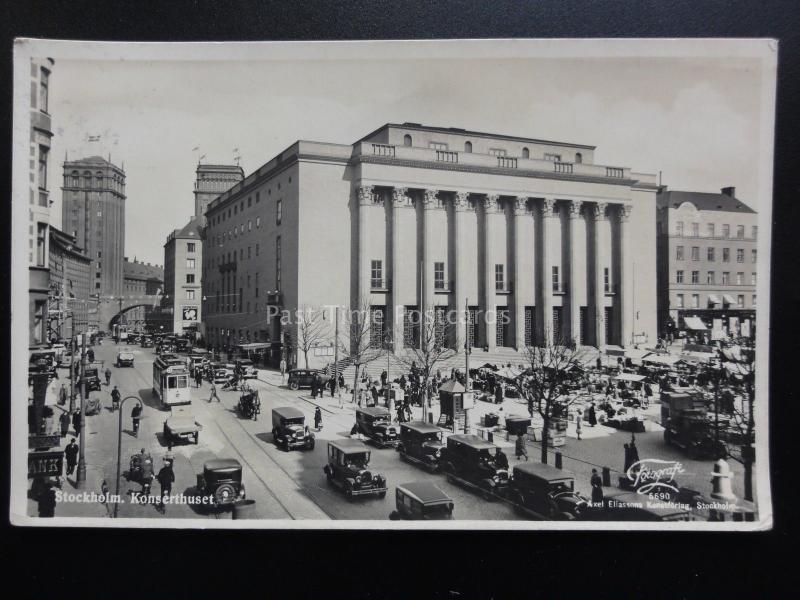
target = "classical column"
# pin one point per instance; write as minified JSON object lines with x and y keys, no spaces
{"x":427,"y":294}
{"x":520,"y":212}
{"x":575,"y":285}
{"x":545,"y":286}
{"x":400,"y":201}
{"x":461,"y":209}
{"x":600,"y":263}
{"x":625,"y":288}
{"x":490,"y":207}
{"x":364,"y":201}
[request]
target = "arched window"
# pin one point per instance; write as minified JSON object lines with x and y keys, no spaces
{"x":406,"y":140}
{"x":467,"y":146}
{"x":88,"y":179}
{"x":99,"y":179}
{"x":526,"y":153}
{"x":578,"y":158}
{"x":75,"y":179}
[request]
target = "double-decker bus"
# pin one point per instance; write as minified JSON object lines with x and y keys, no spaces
{"x":171,"y":381}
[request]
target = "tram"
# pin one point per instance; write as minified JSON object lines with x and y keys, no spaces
{"x":171,"y":382}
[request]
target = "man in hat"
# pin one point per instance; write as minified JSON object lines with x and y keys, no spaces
{"x":71,"y":454}
{"x":136,"y":415}
{"x":63,"y":421}
{"x":165,"y":477}
{"x":76,"y":421}
{"x":46,"y":504}
{"x":597,"y":487}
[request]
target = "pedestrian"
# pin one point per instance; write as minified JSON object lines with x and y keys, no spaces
{"x":628,"y":461}
{"x":46,"y":503}
{"x":76,"y":421}
{"x":592,"y":417}
{"x":71,"y":454}
{"x":400,"y":411}
{"x":136,"y":415}
{"x":498,"y":393}
{"x":115,"y":397}
{"x":147,"y":475}
{"x":374,"y":392}
{"x":63,"y":421}
{"x":332,"y":385}
{"x":384,"y":378}
{"x":521,"y":450}
{"x":283,"y":369}
{"x":578,"y":421}
{"x":407,"y":407}
{"x":634,"y":452}
{"x":104,"y":496}
{"x":597,"y":488}
{"x":108,"y":376}
{"x":317,"y":418}
{"x":62,"y":395}
{"x":314,"y":383}
{"x":213,"y":392}
{"x":165,"y":477}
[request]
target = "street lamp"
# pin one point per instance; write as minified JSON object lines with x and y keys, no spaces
{"x":119,"y":445}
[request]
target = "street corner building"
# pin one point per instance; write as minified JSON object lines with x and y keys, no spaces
{"x":538,"y":240}
{"x":707,"y":259}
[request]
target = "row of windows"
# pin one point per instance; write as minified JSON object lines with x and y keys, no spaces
{"x":526,"y":153}
{"x":711,"y":277}
{"x":216,"y":261}
{"x":237,"y":231}
{"x":87,"y":178}
{"x":223,"y":303}
{"x":711,"y":230}
{"x":237,"y":208}
{"x":711,"y":254}
{"x":695,"y":299}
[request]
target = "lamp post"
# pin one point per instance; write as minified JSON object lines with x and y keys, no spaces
{"x":119,"y":445}
{"x":81,"y":476}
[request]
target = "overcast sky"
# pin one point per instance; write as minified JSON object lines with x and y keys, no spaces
{"x":696,"y":121}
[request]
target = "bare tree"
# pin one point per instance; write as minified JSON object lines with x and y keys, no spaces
{"x":541,"y":383}
{"x":435,"y":329}
{"x":312,"y":328}
{"x":362,"y":349}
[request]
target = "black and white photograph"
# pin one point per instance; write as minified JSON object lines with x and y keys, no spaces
{"x":467,"y":284}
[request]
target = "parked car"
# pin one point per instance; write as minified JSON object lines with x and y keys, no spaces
{"x":288,"y":429}
{"x":124,"y":358}
{"x":470,"y":460}
{"x":631,"y":506}
{"x":421,"y":500}
{"x":347,"y":469}
{"x":301,"y":378}
{"x":40,"y":361}
{"x":545,"y":492}
{"x":421,"y":443}
{"x":181,"y":426}
{"x":375,"y":423}
{"x":221,"y":482}
{"x":92,"y":378}
{"x":247,"y":366}
{"x":146,"y":341}
{"x":218,"y":373}
{"x":133,"y":338}
{"x":194,"y":361}
{"x":182,"y":345}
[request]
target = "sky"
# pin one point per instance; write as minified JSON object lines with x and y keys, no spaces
{"x":694,"y":120}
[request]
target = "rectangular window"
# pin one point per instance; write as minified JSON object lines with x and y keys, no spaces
{"x":679,"y":300}
{"x":752,"y":278}
{"x":726,"y":231}
{"x":710,"y":227}
{"x":437,"y":146}
{"x":695,"y":276}
{"x":190,"y":278}
{"x":556,"y":281}
{"x":258,"y":221}
{"x":438,"y":275}
{"x":726,"y":278}
{"x":278,"y":211}
{"x":190,"y":294}
{"x":552,"y":157}
{"x":678,"y":252}
{"x":754,"y":300}
{"x":695,"y":252}
{"x":740,"y":232}
{"x":44,"y":85}
{"x":498,"y":152}
{"x":190,"y":263}
{"x":695,"y":229}
{"x":278,"y":263}
{"x":249,"y":201}
{"x":695,"y":300}
{"x":679,"y":277}
{"x":190,"y":247}
{"x":710,"y":252}
{"x":607,"y":279}
{"x":710,"y":277}
{"x":258,"y":197}
{"x":754,"y":232}
{"x":500,"y":278}
{"x":740,"y":279}
{"x":376,"y":274}
{"x":679,"y":228}
{"x":740,"y":301}
{"x":41,"y":244}
{"x":726,"y":255}
{"x":753,"y":256}
{"x":740,"y":255}
{"x":43,"y":154}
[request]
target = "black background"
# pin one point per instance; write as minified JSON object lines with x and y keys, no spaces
{"x":436,"y":565}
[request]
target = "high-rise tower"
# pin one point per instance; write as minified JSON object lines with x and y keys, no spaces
{"x":212,"y":180}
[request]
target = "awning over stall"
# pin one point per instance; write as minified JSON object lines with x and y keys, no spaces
{"x":713,"y":299}
{"x":694,"y":323}
{"x":729,"y":299}
{"x":629,"y":377}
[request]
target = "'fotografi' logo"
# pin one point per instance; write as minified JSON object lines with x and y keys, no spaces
{"x":651,"y":475}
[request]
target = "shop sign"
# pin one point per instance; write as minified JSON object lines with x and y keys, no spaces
{"x":45,"y":464}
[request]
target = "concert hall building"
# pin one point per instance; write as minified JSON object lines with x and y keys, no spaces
{"x":532,"y":234}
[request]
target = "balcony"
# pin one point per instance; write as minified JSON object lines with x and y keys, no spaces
{"x":615,"y":172}
{"x":505,"y":162}
{"x":446,"y":156}
{"x":562,"y":167}
{"x":382,"y":150}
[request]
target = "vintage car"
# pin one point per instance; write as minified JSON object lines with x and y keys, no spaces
{"x":247,"y":367}
{"x":470,"y":460}
{"x":288,"y":429}
{"x":545,"y":492}
{"x":92,"y":378}
{"x":182,"y":345}
{"x":197,"y":360}
{"x":249,"y":405}
{"x":181,"y":426}
{"x":347,"y":469}
{"x":302,"y":378}
{"x":124,"y":359}
{"x":41,"y":361}
{"x":376,"y":424}
{"x":218,"y":373}
{"x":421,"y":443}
{"x":620,"y":505}
{"x":221,"y":482}
{"x":421,"y":500}
{"x":133,"y":338}
{"x":146,"y":341}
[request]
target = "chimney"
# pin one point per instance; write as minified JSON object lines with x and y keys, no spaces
{"x":729,"y":191}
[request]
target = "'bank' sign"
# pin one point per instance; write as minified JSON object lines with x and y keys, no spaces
{"x":45,"y":464}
